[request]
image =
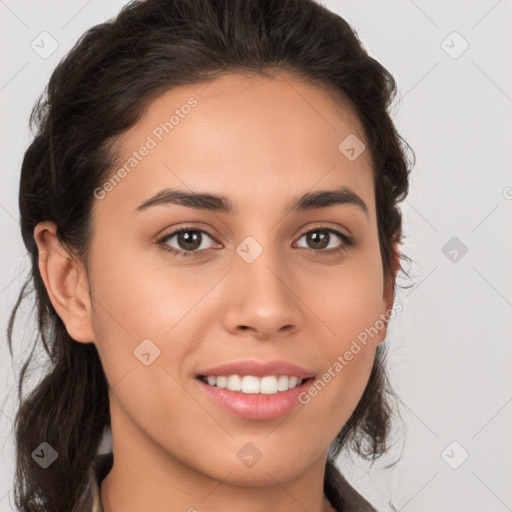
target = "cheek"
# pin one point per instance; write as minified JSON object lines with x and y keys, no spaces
{"x":132,"y":315}
{"x":338,"y":388}
{"x":134,"y":297}
{"x":141,"y":308}
{"x":346,"y":299}
{"x":351,"y":318}
{"x":126,"y":312}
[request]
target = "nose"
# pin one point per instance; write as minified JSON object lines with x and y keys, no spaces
{"x":261,"y":300}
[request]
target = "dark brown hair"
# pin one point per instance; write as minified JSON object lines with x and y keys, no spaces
{"x":95,"y":94}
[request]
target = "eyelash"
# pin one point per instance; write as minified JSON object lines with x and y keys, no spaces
{"x":347,"y":242}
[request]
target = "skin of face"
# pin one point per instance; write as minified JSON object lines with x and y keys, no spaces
{"x":261,"y":142}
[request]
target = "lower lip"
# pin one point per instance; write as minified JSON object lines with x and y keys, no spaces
{"x":255,"y":406}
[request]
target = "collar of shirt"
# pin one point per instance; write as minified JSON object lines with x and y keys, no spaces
{"x":342,"y":496}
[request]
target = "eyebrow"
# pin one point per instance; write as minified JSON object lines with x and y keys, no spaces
{"x":222,"y":204}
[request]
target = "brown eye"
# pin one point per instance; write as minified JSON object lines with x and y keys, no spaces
{"x":192,"y":241}
{"x":318,"y":239}
{"x":322,"y":240}
{"x":189,"y":241}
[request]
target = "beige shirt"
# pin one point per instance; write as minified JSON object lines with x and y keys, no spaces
{"x":342,"y":496}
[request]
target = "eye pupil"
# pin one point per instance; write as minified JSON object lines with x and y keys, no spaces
{"x":312,"y":237}
{"x":188,"y":239}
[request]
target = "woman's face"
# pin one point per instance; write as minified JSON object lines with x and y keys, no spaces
{"x":261,"y":283}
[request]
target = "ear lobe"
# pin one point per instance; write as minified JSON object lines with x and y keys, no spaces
{"x":382,"y":322}
{"x":66,"y":283}
{"x":381,"y":337}
{"x":387,"y":300}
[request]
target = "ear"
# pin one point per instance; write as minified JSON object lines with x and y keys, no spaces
{"x":387,"y":299}
{"x":66,"y":283}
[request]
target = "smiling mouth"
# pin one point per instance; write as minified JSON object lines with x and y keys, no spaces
{"x":252,"y":385}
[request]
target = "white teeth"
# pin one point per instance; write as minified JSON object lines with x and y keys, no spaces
{"x":282,"y":383}
{"x":234,"y":383}
{"x":250,"y":384}
{"x":268,"y":385}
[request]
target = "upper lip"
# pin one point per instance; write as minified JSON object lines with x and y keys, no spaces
{"x":258,"y":369}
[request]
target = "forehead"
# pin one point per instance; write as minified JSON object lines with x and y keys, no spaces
{"x":255,"y":139}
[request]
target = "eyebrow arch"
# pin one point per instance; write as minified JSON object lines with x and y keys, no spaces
{"x":222,"y":204}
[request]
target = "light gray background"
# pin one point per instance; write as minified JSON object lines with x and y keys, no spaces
{"x":450,"y":347}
